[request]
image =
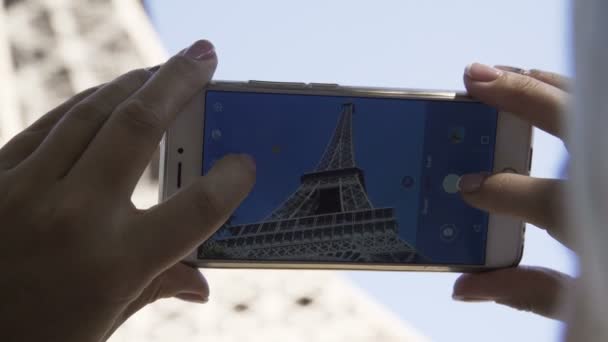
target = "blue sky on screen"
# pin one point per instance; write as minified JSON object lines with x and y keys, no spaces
{"x":408,"y":43}
{"x":392,"y":139}
{"x":288,"y":135}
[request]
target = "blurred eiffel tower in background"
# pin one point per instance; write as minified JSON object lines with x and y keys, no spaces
{"x":51,"y":49}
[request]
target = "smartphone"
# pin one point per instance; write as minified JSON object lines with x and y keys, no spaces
{"x":350,"y":177}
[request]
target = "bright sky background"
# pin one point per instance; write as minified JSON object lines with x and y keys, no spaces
{"x":402,"y":43}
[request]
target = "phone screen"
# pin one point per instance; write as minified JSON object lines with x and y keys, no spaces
{"x":351,"y":179}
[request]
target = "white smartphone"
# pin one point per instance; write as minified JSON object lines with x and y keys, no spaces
{"x":350,"y":177}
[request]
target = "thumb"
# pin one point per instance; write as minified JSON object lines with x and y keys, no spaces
{"x":179,"y":281}
{"x":193,"y":214}
{"x":533,"y":289}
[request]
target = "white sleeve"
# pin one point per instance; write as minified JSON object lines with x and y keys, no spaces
{"x":588,"y":193}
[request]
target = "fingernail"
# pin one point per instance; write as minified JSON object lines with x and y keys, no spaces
{"x":200,"y":50}
{"x":192,"y":297}
{"x":482,"y":73}
{"x":471,"y":182}
{"x":512,"y":69}
{"x":467,"y":299}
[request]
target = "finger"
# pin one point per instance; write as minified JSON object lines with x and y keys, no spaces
{"x":554,"y":79}
{"x":168,"y":232}
{"x":534,"y":101}
{"x":179,"y":281}
{"x":126,"y":143}
{"x":24,"y":143}
{"x":534,"y":200}
{"x":534,"y":289}
{"x":73,"y":133}
{"x":551,"y":78}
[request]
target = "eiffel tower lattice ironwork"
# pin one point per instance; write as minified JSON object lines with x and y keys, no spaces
{"x":328,"y":218}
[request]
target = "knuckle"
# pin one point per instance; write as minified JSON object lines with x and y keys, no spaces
{"x":181,"y":64}
{"x":123,"y":86}
{"x":133,"y":79}
{"x":538,"y":74}
{"x":524,"y":85}
{"x":90,"y":111}
{"x":138,"y":75}
{"x":185,"y":70}
{"x":98,"y":108}
{"x":140,"y":117}
{"x":550,"y":77}
{"x":87,"y":92}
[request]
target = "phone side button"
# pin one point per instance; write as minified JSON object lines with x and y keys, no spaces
{"x":226,"y":83}
{"x":324,"y":85}
{"x":530,"y":159}
{"x":277,"y":84}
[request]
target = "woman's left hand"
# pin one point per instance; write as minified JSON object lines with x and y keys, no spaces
{"x":77,"y":257}
{"x":540,"y":98}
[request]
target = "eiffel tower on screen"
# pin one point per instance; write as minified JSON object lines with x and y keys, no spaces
{"x":329,"y":218}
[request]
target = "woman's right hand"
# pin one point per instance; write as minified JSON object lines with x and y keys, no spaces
{"x":540,"y":98}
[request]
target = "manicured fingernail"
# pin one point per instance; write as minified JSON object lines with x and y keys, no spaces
{"x":471,"y":182}
{"x":193,"y":297}
{"x":482,"y":73}
{"x":467,"y":299}
{"x":200,"y":50}
{"x":512,"y":69}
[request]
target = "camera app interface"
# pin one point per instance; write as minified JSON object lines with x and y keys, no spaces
{"x":351,"y":179}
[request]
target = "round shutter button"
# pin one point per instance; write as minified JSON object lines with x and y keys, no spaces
{"x":450,"y":183}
